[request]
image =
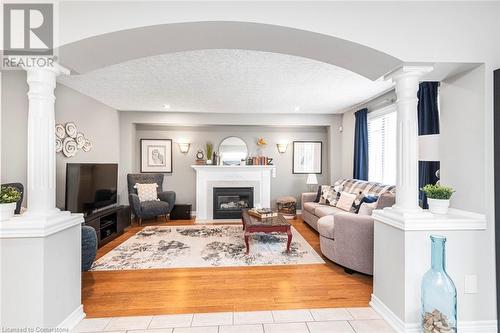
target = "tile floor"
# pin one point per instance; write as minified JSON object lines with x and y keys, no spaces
{"x":330,"y":320}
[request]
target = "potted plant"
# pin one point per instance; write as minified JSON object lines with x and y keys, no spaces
{"x":210,"y":148}
{"x":9,"y":196}
{"x":438,"y":197}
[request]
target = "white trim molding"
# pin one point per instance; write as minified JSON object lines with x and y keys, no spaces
{"x":483,"y":326}
{"x":73,"y":319}
{"x":456,"y":219}
{"x":29,"y":226}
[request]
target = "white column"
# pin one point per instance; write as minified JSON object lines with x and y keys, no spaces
{"x":41,"y":187}
{"x":407,"y":80}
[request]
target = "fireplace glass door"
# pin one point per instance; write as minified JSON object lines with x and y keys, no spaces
{"x":229,"y":201}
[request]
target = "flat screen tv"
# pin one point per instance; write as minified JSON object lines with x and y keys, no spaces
{"x":90,"y":187}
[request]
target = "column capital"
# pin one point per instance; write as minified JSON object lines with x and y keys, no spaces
{"x":51,"y":67}
{"x":407,"y":71}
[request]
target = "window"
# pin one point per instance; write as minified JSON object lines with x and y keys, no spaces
{"x":382,"y":146}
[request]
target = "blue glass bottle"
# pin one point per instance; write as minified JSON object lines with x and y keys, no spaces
{"x":439,"y":295}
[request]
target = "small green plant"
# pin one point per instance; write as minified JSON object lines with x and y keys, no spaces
{"x":210,"y":148}
{"x":438,"y":191}
{"x":9,"y":194}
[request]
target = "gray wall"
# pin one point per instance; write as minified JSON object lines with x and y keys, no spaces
{"x":182,"y":180}
{"x":97,"y":121}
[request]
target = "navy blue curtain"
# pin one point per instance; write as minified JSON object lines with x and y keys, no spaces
{"x":428,"y":123}
{"x":361,"y":145}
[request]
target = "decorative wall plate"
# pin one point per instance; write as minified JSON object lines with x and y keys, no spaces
{"x":87,"y":146}
{"x":59,"y":145}
{"x":60,"y":131}
{"x":71,"y":129}
{"x":80,"y":140}
{"x":69,"y":147}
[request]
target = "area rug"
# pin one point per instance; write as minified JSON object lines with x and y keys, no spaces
{"x":205,"y":246}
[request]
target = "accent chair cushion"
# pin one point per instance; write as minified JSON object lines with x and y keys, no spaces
{"x":345,"y":201}
{"x":154,"y":208}
{"x":147,"y":192}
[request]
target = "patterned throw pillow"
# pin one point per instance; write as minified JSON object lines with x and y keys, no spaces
{"x":147,"y":192}
{"x":330,"y":194}
{"x":366,"y":199}
{"x":345,"y":201}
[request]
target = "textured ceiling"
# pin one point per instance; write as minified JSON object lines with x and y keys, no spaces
{"x":226,"y":81}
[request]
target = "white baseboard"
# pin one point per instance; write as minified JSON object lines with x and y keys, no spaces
{"x":390,"y":317}
{"x":485,"y":326}
{"x":73,"y":319}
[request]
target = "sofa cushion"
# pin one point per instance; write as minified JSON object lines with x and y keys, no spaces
{"x":324,"y":210}
{"x":311,"y":206}
{"x":386,"y":199}
{"x":325,"y":226}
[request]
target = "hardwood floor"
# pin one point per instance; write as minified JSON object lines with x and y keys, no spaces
{"x":195,"y":290}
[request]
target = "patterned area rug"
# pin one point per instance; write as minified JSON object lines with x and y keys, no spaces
{"x":205,"y":246}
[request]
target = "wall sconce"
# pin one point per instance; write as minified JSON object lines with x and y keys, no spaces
{"x":281,"y":147}
{"x":184,"y":147}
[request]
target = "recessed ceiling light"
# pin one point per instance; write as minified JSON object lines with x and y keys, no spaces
{"x":166,"y":106}
{"x":297,"y":108}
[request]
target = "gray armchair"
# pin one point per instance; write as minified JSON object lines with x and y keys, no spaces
{"x":149,"y":209}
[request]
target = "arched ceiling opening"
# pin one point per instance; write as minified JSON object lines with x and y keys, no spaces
{"x":116,"y":47}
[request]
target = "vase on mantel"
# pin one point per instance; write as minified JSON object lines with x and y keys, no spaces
{"x":439,"y":295}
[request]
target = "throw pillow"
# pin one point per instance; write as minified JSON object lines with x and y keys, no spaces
{"x":366,"y":199}
{"x":147,"y":192}
{"x":367,"y":208}
{"x":345,"y":201}
{"x":318,"y":195}
{"x":330,"y":194}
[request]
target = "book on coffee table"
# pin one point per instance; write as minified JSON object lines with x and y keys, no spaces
{"x":262,"y":213}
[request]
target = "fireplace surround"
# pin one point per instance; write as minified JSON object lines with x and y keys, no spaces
{"x":258,"y":177}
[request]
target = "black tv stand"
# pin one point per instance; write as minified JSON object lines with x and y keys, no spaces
{"x":109,"y":223}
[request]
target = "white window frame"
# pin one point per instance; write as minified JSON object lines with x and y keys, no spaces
{"x":377,"y":114}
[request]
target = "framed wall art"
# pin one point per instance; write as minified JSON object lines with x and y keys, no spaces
{"x":156,"y":155}
{"x":307,"y":156}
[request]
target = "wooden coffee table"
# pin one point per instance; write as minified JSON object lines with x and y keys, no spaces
{"x":252,"y":224}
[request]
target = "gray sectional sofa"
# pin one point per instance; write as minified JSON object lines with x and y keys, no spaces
{"x":346,"y":238}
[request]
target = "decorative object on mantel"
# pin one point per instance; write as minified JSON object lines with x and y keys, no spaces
{"x":200,"y":157}
{"x":307,"y":156}
{"x":69,"y":141}
{"x":156,"y":155}
{"x":261,"y":143}
{"x":281,"y":147}
{"x":259,"y":160}
{"x":439,"y":295}
{"x":209,"y":148}
{"x":438,"y":197}
{"x":9,"y":196}
{"x":232,"y":150}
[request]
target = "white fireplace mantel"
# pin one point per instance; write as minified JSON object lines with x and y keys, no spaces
{"x":210,"y":176}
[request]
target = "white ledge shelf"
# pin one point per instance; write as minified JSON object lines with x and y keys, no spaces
{"x":455,"y":220}
{"x":26,"y":226}
{"x":232,"y":166}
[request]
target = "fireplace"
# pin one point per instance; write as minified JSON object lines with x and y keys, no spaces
{"x":229,"y":201}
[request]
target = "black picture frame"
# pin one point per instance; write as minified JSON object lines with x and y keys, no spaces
{"x":165,"y":166}
{"x":296,"y":144}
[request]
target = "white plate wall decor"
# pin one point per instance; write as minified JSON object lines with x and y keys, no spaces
{"x":69,"y":141}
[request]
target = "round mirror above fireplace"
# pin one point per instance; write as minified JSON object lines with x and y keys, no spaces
{"x":232,"y":150}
